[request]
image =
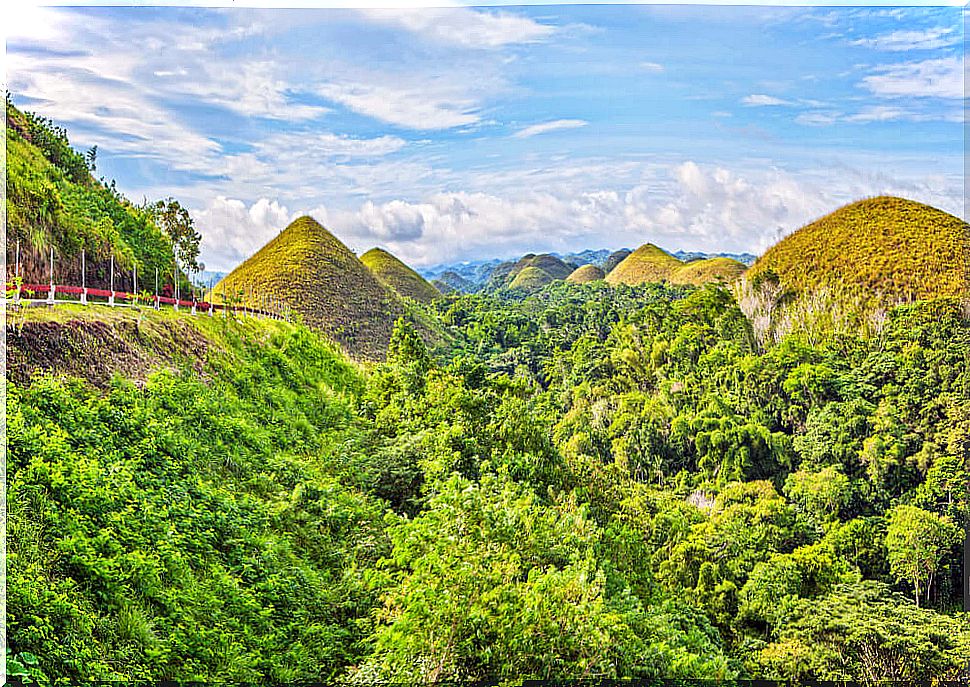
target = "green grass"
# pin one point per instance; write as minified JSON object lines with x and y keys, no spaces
{"x":307,"y":269}
{"x":586,"y":274}
{"x":394,"y":274}
{"x":888,"y":247}
{"x":53,"y":202}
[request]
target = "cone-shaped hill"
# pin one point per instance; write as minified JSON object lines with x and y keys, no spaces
{"x":648,"y":263}
{"x":531,"y":278}
{"x":555,"y":268}
{"x":699,"y":272}
{"x":310,"y":271}
{"x":887,"y":246}
{"x":394,"y":274}
{"x":585,"y":274}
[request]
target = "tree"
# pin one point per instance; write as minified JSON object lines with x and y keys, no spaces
{"x":178,"y":225}
{"x":916,"y":541}
{"x":819,"y":495}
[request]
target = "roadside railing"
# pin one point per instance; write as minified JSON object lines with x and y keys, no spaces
{"x":29,"y":293}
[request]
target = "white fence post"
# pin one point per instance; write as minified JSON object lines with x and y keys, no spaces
{"x":50,"y":294}
{"x":84,"y":284}
{"x":111,"y":298}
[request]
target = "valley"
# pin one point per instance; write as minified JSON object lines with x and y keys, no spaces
{"x":600,"y":465}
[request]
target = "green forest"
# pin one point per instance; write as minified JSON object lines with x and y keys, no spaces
{"x":574,"y":481}
{"x":589,"y":482}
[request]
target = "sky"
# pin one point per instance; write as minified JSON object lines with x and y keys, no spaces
{"x":463,"y":133}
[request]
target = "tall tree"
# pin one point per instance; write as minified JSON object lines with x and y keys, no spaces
{"x":916,"y":541}
{"x":178,"y":225}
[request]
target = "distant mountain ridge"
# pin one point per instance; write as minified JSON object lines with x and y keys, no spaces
{"x":475,"y":275}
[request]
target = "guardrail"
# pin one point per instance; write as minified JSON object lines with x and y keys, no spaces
{"x":125,"y":299}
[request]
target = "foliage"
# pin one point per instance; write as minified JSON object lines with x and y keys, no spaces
{"x":192,"y":530}
{"x":177,"y":224}
{"x":53,"y":202}
{"x":916,"y":541}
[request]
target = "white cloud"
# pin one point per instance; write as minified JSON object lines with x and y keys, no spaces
{"x":251,"y":89}
{"x":652,"y":67}
{"x":92,"y":97}
{"x":310,"y":146}
{"x":761,"y":100}
{"x":465,"y":27}
{"x":436,"y":107}
{"x":232,"y":231}
{"x":546,"y":127}
{"x":899,"y":41}
{"x":940,"y":78}
{"x":817,"y":118}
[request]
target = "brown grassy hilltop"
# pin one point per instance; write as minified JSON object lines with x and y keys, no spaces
{"x":648,"y":263}
{"x":886,"y":246}
{"x":394,"y":274}
{"x":586,"y":274}
{"x":309,"y":270}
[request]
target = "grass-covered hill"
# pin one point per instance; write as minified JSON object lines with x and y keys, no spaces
{"x":586,"y":274}
{"x":648,"y":263}
{"x":893,"y":247}
{"x":709,"y":270}
{"x":310,"y":271}
{"x":531,"y":278}
{"x":554,"y":267}
{"x":54,"y":201}
{"x":394,"y":274}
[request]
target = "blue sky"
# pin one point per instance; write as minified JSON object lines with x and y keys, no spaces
{"x":459,"y":133}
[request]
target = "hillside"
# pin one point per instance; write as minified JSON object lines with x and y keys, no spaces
{"x":310,"y":271}
{"x":897,"y":248}
{"x":706,"y":271}
{"x":506,"y":273}
{"x":452,"y":281}
{"x":586,"y":274}
{"x":531,"y":278}
{"x":648,"y":263}
{"x":54,"y":202}
{"x":397,"y":276}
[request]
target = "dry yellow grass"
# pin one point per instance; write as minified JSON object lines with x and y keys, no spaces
{"x":648,"y":263}
{"x":715,"y":270}
{"x":585,"y":274}
{"x":307,"y":269}
{"x":396,"y":275}
{"x":886,"y":246}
